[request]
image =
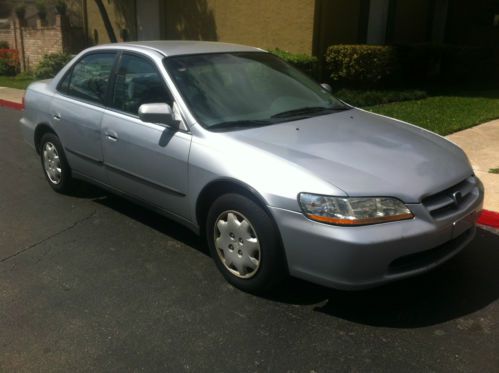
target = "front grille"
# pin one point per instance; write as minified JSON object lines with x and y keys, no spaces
{"x":450,"y":200}
{"x":424,"y":258}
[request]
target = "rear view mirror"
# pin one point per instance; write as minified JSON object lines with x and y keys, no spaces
{"x":327,"y":87}
{"x":158,"y":113}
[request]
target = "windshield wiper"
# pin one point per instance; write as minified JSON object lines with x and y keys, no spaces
{"x":306,"y":111}
{"x":238,"y":124}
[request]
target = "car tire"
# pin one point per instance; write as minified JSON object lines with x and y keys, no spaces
{"x":54,"y":163}
{"x":245,"y":244}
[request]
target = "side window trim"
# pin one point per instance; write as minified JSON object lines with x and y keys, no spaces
{"x":112,"y":79}
{"x":69,"y":74}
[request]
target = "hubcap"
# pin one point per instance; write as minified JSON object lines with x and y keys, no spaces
{"x":237,"y":244}
{"x":52,"y":163}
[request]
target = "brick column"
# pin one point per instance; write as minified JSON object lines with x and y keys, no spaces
{"x":17,"y":29}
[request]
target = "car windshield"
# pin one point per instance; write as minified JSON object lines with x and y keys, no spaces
{"x":247,"y":89}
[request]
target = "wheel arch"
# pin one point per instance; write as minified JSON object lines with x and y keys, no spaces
{"x":219,"y":187}
{"x":40,"y":130}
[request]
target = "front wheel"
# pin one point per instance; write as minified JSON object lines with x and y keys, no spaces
{"x":244,"y":244}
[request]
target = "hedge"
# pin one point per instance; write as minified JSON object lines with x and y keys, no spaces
{"x":9,"y":61}
{"x":366,"y":65}
{"x":394,"y":65}
{"x":50,"y":65}
{"x":308,"y":64}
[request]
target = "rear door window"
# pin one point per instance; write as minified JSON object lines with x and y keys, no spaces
{"x":89,"y":77}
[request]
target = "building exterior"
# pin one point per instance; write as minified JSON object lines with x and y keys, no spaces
{"x":300,"y":26}
{"x":33,"y":37}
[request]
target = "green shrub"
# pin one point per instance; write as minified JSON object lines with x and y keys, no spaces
{"x":369,"y":97}
{"x":361,"y":65}
{"x":368,"y":66}
{"x":4,"y":44}
{"x":41,"y":9}
{"x":61,"y":7}
{"x":50,"y":65}
{"x":308,"y":64}
{"x":20,"y":11}
{"x":9,"y":62}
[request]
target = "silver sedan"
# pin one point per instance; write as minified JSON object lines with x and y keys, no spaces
{"x":278,"y":175}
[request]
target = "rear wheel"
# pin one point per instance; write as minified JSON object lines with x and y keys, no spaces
{"x":244,"y":244}
{"x":54,"y":163}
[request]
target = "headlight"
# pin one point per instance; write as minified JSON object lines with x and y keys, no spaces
{"x":352,"y":211}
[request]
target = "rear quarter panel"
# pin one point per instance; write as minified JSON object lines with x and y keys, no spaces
{"x":36,"y":109}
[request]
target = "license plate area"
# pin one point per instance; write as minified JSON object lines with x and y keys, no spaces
{"x":462,"y":225}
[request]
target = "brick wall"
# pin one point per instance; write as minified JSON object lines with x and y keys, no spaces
{"x":8,"y":36}
{"x":39,"y":41}
{"x":34,"y":42}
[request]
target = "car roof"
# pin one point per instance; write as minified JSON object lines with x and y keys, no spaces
{"x":184,"y":47}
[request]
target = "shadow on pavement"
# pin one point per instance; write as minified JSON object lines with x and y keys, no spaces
{"x":151,"y":219}
{"x":465,"y":284}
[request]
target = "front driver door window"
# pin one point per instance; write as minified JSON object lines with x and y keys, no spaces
{"x":138,"y":82}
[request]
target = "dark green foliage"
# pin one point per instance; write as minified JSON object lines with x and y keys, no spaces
{"x":41,"y":9}
{"x":361,"y":65}
{"x":370,"y":97}
{"x":61,"y":7}
{"x":307,"y":64}
{"x":20,"y":11}
{"x":6,"y":69}
{"x":9,"y":62}
{"x":368,"y":66}
{"x":50,"y":65}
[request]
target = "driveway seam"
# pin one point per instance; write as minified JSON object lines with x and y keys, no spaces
{"x":27,"y":248}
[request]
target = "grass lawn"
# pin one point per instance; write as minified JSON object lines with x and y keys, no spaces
{"x":445,"y":114}
{"x":19,"y":82}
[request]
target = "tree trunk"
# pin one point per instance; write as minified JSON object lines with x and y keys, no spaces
{"x":107,"y":22}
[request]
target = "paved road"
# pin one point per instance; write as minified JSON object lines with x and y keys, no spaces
{"x":92,"y":282}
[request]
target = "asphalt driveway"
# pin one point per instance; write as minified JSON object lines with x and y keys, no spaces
{"x":93,"y":282}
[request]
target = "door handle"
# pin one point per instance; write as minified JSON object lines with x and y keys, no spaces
{"x":57,"y":116}
{"x":111,"y":135}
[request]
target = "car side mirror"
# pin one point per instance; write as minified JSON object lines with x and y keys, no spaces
{"x":158,"y":113}
{"x":327,"y":87}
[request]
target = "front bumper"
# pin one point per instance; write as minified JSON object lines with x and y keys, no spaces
{"x":366,"y":256}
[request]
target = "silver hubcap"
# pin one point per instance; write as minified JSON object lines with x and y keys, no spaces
{"x":237,"y":244}
{"x":52,"y":163}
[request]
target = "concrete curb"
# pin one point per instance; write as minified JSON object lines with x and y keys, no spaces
{"x":11,"y":104}
{"x":487,"y":218}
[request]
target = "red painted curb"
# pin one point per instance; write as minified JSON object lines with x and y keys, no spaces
{"x":11,"y":104}
{"x":489,"y":218}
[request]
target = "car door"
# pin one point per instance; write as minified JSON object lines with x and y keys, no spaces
{"x":144,"y":160}
{"x":77,"y":111}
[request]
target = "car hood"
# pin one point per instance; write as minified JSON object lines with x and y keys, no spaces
{"x":365,"y":154}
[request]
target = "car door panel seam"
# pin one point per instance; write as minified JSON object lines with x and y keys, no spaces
{"x":144,"y":181}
